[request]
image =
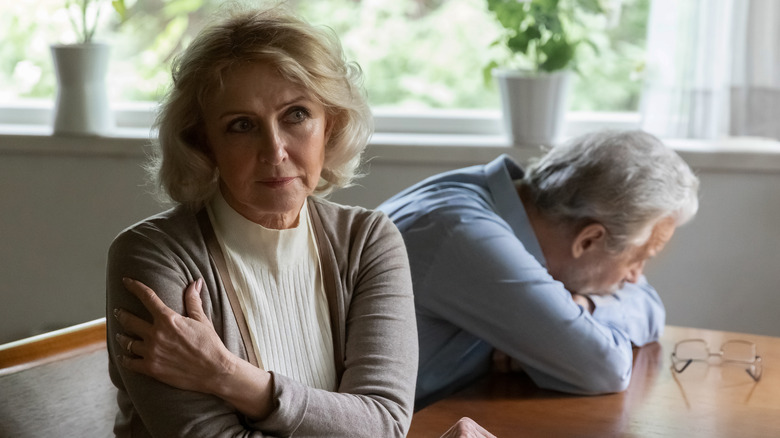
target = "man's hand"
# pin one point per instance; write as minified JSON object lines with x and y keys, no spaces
{"x":583,"y":301}
{"x":505,"y":364}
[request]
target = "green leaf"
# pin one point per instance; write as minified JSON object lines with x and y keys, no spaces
{"x":558,"y":54}
{"x":551,"y":22}
{"x":487,"y":72}
{"x":518,"y":43}
{"x":120,"y":8}
{"x":547,"y":6}
{"x":592,"y":6}
{"x":509,"y":13}
{"x":533,"y":32}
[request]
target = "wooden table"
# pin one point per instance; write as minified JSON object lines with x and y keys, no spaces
{"x":707,"y":401}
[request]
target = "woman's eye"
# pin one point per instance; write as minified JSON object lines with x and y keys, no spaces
{"x":240,"y":125}
{"x":297,"y":115}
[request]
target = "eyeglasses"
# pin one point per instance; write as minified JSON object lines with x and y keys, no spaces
{"x":734,"y":351}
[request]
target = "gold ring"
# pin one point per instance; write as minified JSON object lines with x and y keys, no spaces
{"x":130,"y":346}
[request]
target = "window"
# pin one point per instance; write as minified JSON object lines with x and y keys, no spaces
{"x":418,"y":55}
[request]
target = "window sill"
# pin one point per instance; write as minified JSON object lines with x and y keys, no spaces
{"x":730,"y":154}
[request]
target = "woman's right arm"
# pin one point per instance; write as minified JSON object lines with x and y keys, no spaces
{"x":186,"y":352}
{"x":150,"y":407}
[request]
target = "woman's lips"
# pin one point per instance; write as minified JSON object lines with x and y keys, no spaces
{"x":276,"y":182}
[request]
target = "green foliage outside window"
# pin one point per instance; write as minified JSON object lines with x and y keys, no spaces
{"x":610,"y":77}
{"x":543,"y":35}
{"x":415,"y":53}
{"x":85,"y":16}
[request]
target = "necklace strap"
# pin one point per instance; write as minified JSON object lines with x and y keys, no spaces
{"x":215,"y":252}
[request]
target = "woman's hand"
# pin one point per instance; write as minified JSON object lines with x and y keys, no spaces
{"x":467,"y":428}
{"x":181,"y":351}
{"x":186,"y":352}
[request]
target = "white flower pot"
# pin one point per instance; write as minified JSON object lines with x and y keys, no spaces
{"x":82,"y":106}
{"x":534,"y":106}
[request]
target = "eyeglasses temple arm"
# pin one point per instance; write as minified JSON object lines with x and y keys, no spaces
{"x":688,"y":362}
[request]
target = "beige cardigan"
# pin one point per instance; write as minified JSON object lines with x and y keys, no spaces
{"x":367,"y":280}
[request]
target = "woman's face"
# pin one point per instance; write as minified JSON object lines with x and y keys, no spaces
{"x":268,"y":137}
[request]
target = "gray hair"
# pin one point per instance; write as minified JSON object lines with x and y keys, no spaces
{"x":626,"y":181}
{"x":312,"y":57}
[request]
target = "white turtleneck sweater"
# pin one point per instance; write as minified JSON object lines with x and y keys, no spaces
{"x":277,"y":277}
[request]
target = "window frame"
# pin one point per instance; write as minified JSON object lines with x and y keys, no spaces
{"x":26,"y":128}
{"x":454,"y":125}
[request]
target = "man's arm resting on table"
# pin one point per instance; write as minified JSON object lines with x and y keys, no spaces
{"x":490,"y":286}
{"x":635,"y":309}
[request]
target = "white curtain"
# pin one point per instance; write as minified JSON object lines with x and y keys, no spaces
{"x":713,"y":69}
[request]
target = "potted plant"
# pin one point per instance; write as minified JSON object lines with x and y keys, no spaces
{"x":539,"y":40}
{"x":82,"y":106}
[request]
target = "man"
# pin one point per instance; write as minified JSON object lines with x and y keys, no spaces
{"x":544,"y":265}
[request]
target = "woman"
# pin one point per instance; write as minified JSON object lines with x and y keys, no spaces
{"x":299,"y":312}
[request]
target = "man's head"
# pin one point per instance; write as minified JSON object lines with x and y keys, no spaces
{"x":613,"y":200}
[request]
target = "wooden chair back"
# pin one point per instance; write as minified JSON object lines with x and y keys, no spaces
{"x":57,"y":384}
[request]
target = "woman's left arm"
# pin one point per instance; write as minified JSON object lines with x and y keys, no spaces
{"x":376,"y":393}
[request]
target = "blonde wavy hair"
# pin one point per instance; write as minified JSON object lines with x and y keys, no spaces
{"x":181,"y":166}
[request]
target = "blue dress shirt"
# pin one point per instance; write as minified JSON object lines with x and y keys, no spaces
{"x":480,"y":283}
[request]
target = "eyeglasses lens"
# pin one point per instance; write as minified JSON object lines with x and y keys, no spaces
{"x":695,"y":350}
{"x":739,"y":351}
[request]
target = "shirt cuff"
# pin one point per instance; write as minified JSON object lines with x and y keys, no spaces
{"x":602,"y":301}
{"x":291,"y":401}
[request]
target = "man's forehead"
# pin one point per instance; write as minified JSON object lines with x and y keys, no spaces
{"x":658,"y":237}
{"x":661,"y":234}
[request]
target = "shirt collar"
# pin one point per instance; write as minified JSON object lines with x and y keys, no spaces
{"x":247,"y":237}
{"x":501,"y":174}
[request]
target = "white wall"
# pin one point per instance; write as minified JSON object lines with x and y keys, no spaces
{"x":64,"y":200}
{"x":723,"y":269}
{"x":60,"y":212}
